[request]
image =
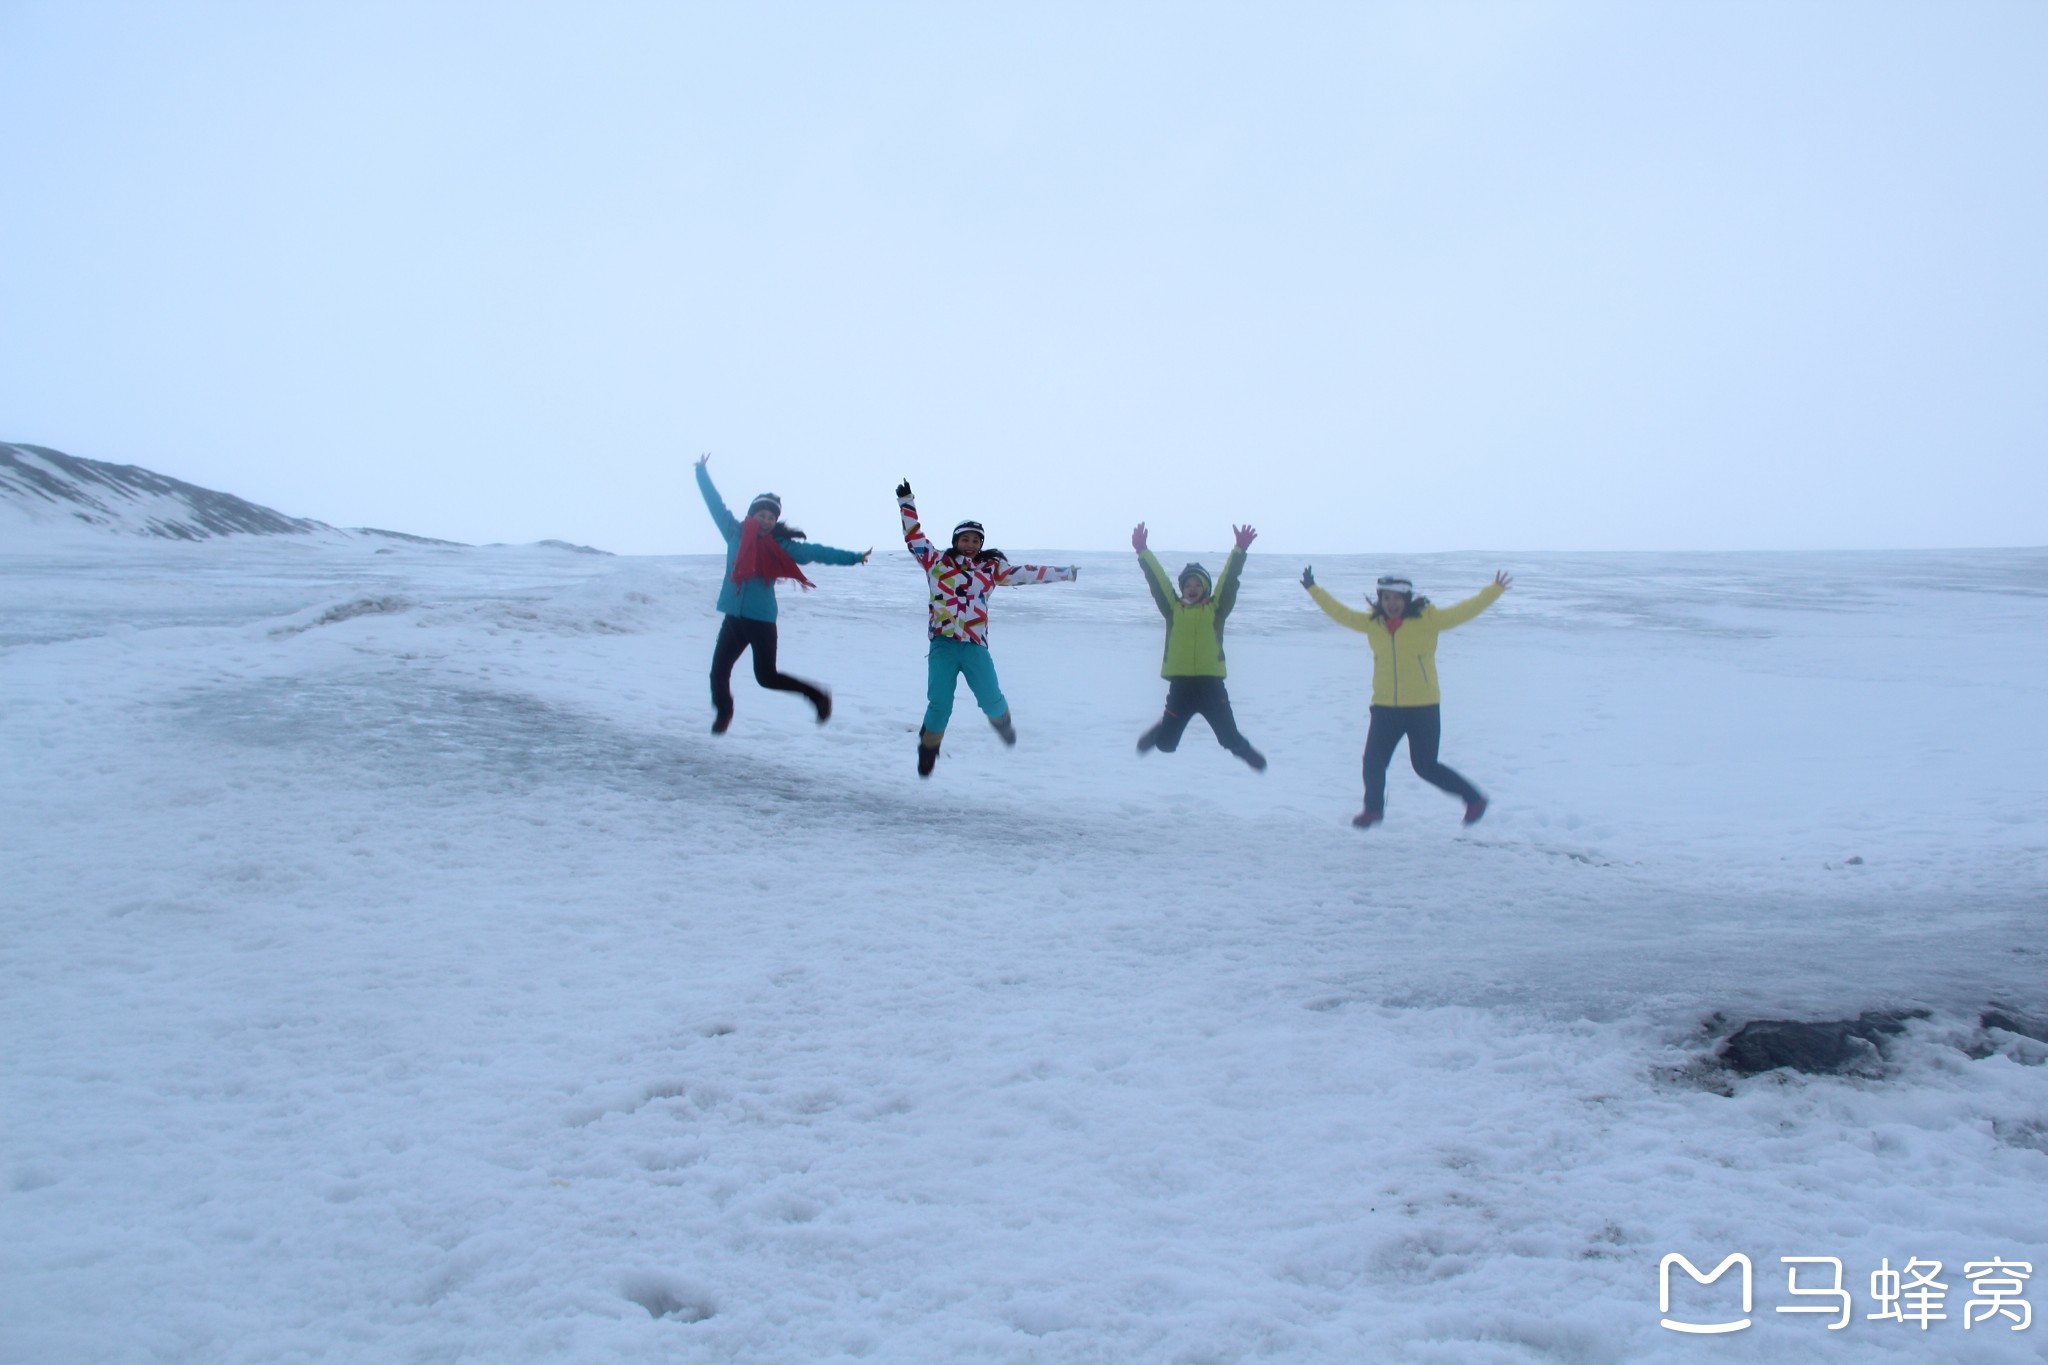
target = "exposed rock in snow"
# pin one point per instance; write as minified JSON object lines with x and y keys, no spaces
{"x":1827,"y":1047}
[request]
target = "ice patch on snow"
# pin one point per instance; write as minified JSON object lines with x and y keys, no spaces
{"x":345,"y":611}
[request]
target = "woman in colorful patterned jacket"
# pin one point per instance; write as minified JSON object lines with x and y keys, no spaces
{"x":759,"y":549}
{"x":1193,"y":667}
{"x":1403,"y":630}
{"x":961,"y":579}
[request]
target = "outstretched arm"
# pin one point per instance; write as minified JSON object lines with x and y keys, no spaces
{"x":1458,"y":613}
{"x":1335,"y":610}
{"x":913,"y":534}
{"x":805,"y":552}
{"x":1233,"y":570}
{"x":721,"y":515}
{"x":1155,"y":578}
{"x":1024,"y":575}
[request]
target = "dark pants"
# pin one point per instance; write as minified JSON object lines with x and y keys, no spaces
{"x":736,"y":637}
{"x":1187,"y":698}
{"x":1424,"y":728}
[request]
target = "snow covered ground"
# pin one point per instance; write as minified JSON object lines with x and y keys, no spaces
{"x":394,"y":968}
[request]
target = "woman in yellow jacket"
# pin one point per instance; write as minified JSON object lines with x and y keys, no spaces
{"x":1403,"y":629}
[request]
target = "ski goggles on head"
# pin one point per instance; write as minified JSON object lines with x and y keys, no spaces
{"x":1389,"y":583}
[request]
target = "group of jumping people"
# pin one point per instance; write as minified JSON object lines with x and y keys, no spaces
{"x":1401,"y":628}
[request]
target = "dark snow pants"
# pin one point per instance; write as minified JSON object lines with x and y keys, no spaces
{"x":736,"y":637}
{"x":1187,"y":698}
{"x":1424,"y":728}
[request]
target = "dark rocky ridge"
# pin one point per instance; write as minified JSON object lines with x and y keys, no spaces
{"x":128,"y":499}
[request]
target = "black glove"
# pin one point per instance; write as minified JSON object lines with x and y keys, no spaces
{"x":903,"y":489}
{"x":1308,"y":578}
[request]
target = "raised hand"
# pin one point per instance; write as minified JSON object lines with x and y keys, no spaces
{"x":865,"y":553}
{"x":903,"y":489}
{"x":704,"y":459}
{"x":1138,"y":537}
{"x":1503,"y":580}
{"x":1245,"y":536}
{"x":1308,"y":578}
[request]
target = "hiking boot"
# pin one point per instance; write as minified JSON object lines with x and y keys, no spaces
{"x":1366,"y":818}
{"x":1004,"y":728}
{"x":722,"y":721}
{"x":1474,"y":810}
{"x":927,"y":758}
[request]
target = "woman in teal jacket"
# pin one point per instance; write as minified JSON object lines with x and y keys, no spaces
{"x":1193,"y":666}
{"x":759,"y":548}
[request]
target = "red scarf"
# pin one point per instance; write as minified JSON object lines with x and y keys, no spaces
{"x":762,"y":556}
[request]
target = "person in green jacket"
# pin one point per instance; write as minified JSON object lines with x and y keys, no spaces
{"x":1193,"y":667}
{"x":1403,"y":630}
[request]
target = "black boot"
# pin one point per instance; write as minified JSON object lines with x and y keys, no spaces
{"x":927,"y":752}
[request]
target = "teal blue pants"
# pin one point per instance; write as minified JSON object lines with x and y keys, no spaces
{"x":946,"y":662}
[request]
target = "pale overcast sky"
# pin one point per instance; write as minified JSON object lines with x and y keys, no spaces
{"x":1398,"y":277}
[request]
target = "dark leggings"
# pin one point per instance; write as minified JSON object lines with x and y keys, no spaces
{"x":735,"y":637}
{"x":1424,"y":728}
{"x":1187,"y":698}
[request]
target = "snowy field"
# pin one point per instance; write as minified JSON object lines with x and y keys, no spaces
{"x":394,"y":968}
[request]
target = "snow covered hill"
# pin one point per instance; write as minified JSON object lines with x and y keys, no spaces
{"x":394,"y":967}
{"x":49,"y":489}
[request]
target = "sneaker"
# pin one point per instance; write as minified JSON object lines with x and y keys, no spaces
{"x":1474,"y":809}
{"x":722,"y":721}
{"x":823,"y":701}
{"x":1366,"y":819}
{"x":926,"y":759}
{"x":1005,"y":729}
